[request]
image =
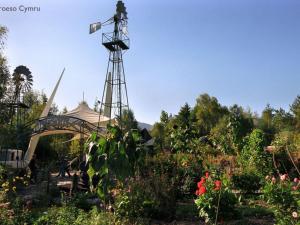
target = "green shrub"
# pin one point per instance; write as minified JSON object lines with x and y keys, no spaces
{"x":135,"y":202}
{"x":215,"y":199}
{"x":253,"y":157}
{"x":152,"y":197}
{"x":283,"y":196}
{"x":182,"y":169}
{"x":63,"y":216}
{"x":247,"y":183}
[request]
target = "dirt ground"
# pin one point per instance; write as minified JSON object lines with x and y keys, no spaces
{"x":248,"y":221}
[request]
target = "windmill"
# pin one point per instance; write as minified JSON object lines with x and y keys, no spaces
{"x":114,"y":97}
{"x":22,"y":82}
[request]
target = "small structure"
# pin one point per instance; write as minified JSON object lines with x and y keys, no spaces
{"x":11,"y":155}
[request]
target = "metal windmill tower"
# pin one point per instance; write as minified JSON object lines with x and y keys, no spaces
{"x":114,"y":97}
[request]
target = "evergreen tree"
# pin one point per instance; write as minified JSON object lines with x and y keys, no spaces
{"x":184,"y":116}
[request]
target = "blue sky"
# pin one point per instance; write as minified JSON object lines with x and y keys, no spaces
{"x":240,"y":51}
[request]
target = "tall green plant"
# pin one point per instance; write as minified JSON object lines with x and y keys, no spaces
{"x":112,"y":158}
{"x":253,"y":157}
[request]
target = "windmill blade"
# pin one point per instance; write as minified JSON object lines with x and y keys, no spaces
{"x":94,"y":27}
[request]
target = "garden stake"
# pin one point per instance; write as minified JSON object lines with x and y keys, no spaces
{"x":218,"y":206}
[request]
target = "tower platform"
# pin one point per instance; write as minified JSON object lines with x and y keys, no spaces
{"x":112,"y":44}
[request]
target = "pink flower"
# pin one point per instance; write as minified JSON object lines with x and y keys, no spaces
{"x":294,"y":188}
{"x":273,"y":180}
{"x":295,"y":215}
{"x":283,"y":177}
{"x":296,"y":180}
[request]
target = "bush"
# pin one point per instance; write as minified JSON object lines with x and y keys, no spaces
{"x":181,"y":168}
{"x":215,"y":199}
{"x":63,"y":216}
{"x":247,"y":183}
{"x":283,"y":196}
{"x":151,"y":197}
{"x":253,"y":157}
{"x":135,"y":202}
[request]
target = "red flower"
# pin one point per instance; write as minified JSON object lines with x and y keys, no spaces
{"x":207,"y":174}
{"x":201,"y":182}
{"x":218,"y":185}
{"x":202,"y":190}
{"x":197,"y":192}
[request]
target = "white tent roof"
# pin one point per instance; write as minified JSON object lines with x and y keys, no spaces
{"x":84,"y":112}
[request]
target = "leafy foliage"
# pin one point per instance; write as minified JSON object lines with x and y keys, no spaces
{"x":247,"y":183}
{"x":128,"y":121}
{"x":283,"y":196}
{"x":113,"y":158}
{"x":208,"y":112}
{"x":215,"y":199}
{"x":253,"y":157}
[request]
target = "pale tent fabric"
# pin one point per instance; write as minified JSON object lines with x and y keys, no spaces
{"x":84,"y":112}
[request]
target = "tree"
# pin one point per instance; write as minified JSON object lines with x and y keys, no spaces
{"x":282,"y":120}
{"x":161,"y":130}
{"x":3,"y":32}
{"x":75,"y":148}
{"x":183,"y":134}
{"x":267,"y":116}
{"x":254,"y":158}
{"x":184,"y":116}
{"x":164,"y":117}
{"x":221,"y":136}
{"x":35,"y":101}
{"x":295,"y":109}
{"x":128,"y":121}
{"x":208,"y":112}
{"x":266,"y":122}
{"x":4,"y":76}
{"x":158,"y":133}
{"x":240,"y":124}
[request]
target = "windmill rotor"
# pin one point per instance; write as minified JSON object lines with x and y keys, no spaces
{"x":121,"y":10}
{"x":22,"y":81}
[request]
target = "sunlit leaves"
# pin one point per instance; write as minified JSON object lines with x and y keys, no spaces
{"x":113,"y":157}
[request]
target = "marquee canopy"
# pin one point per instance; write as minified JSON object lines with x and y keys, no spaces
{"x":84,"y":112}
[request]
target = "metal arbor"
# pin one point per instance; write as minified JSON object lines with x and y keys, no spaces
{"x":114,"y":97}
